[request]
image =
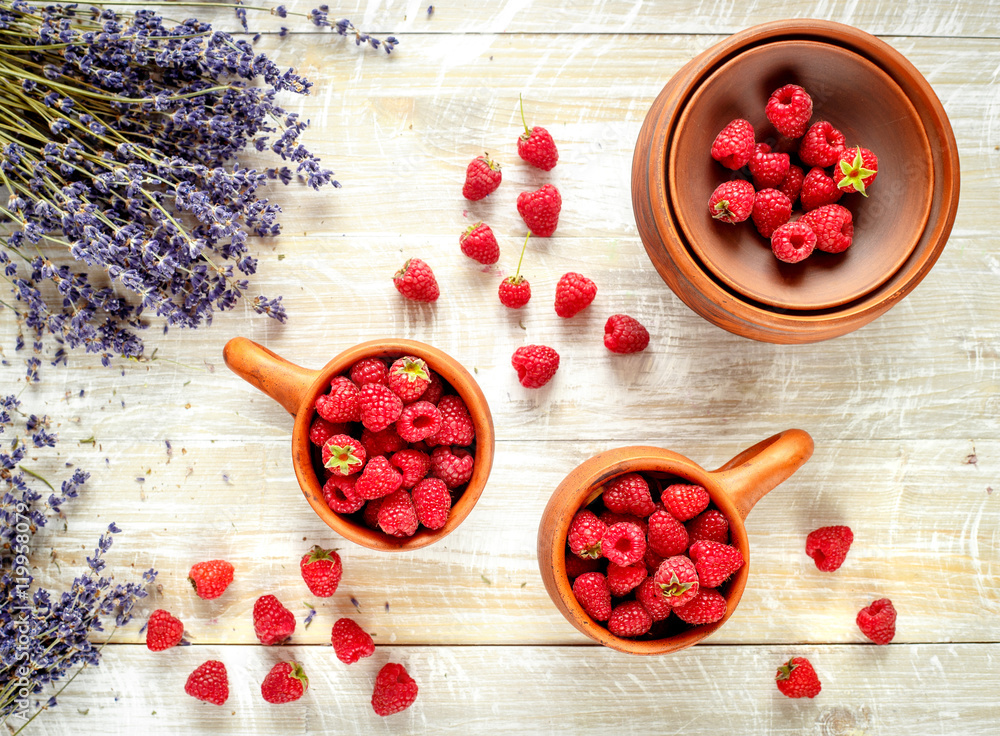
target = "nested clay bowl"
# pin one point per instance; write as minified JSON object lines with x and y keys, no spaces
{"x":727,"y":274}
{"x":297,"y":388}
{"x":734,"y":489}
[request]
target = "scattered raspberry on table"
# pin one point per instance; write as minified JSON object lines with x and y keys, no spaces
{"x":209,"y":682}
{"x":877,"y":621}
{"x":285,"y":683}
{"x":211,"y":578}
{"x":163,"y":631}
{"x":796,"y":678}
{"x":394,"y":690}
{"x":624,"y":334}
{"x":321,"y":570}
{"x":350,"y":642}
{"x":828,"y":546}
{"x":272,"y":622}
{"x":535,"y":365}
{"x":482,"y":177}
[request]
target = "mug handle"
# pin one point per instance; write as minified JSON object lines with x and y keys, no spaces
{"x":266,"y":371}
{"x":750,"y":475}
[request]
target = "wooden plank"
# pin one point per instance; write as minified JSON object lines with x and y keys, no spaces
{"x":922,"y":689}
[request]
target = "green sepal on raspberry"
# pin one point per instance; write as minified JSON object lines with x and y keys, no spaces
{"x":855,"y":176}
{"x":674,"y":588}
{"x":796,"y":678}
{"x":343,"y":454}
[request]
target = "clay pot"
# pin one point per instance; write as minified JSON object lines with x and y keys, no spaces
{"x":297,"y":389}
{"x":728,"y":275}
{"x":734,"y":489}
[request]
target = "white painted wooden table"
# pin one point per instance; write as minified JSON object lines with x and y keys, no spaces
{"x":903,"y":411}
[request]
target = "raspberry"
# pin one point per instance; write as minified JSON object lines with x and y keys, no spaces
{"x":210,"y":579}
{"x":369,"y":370}
{"x":714,"y":562}
{"x":452,"y":465}
{"x":793,"y":242}
{"x":574,"y":292}
{"x":540,"y":210}
{"x":621,"y":580}
{"x":343,"y":455}
{"x":585,"y":534}
{"x":677,"y":580}
{"x":209,"y":682}
{"x":629,"y":619}
{"x":855,"y":170}
{"x":707,"y":607}
{"x":321,"y":430}
{"x":378,"y":479}
{"x":418,"y":421}
{"x":666,"y":536}
{"x":734,"y":144}
{"x":383,"y":442}
{"x":732,"y":201}
{"x":480,"y":244}
{"x":272,"y":622}
{"x":611,"y":517}
{"x":822,"y":145}
{"x":456,"y":424}
{"x":628,"y":494}
{"x":321,"y":569}
{"x":624,"y":334}
{"x":482,"y":177}
{"x":397,"y":516}
{"x":379,"y":406}
{"x":796,"y":678}
{"x":339,"y":494}
{"x":828,"y":546}
{"x":768,"y":169}
{"x":369,"y":514}
{"x":877,"y":621}
{"x":651,"y":559}
{"x":409,"y":377}
{"x":350,"y":642}
{"x":432,"y":502}
{"x":434,"y":390}
{"x":163,"y":631}
{"x":818,"y":189}
{"x":833,"y":225}
{"x":515,"y":292}
{"x":771,"y":210}
{"x":536,"y":146}
{"x":648,"y":594}
{"x":791,"y":187}
{"x":789,"y":109}
{"x":394,"y":690}
{"x":623,"y":543}
{"x":286,"y":682}
{"x":592,"y":593}
{"x":341,"y":403}
{"x":535,"y":365}
{"x":577,"y":566}
{"x":685,"y":501}
{"x":413,"y":465}
{"x":416,"y":281}
{"x":711,"y":525}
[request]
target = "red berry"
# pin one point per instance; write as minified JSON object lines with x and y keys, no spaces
{"x":540,"y":210}
{"x":379,"y":406}
{"x":394,"y":690}
{"x":877,"y":621}
{"x":480,"y":244}
{"x":585,"y":534}
{"x":665,"y":535}
{"x":343,"y":455}
{"x":577,"y":566}
{"x":573,"y":293}
{"x":677,"y":580}
{"x":771,"y":210}
{"x":628,"y":494}
{"x":855,"y":170}
{"x":272,"y":622}
{"x":163,"y":631}
{"x":339,"y":494}
{"x":714,"y":562}
{"x":796,"y":678}
{"x":413,"y":465}
{"x":649,"y":595}
{"x":592,"y":593}
{"x":818,"y":189}
{"x":536,"y":146}
{"x":409,"y":377}
{"x":535,"y":365}
{"x":712,"y":525}
{"x":350,"y":642}
{"x":623,"y":543}
{"x":622,"y":580}
{"x":341,"y":403}
{"x":321,"y":569}
{"x":369,"y":370}
{"x":369,"y":514}
{"x":732,"y":201}
{"x":210,"y":579}
{"x":734,"y":144}
{"x":822,"y":145}
{"x":418,"y":421}
{"x":321,"y":430}
{"x":685,"y":500}
{"x":624,"y":334}
{"x":789,"y":109}
{"x":383,"y":442}
{"x":378,"y":479}
{"x":285,"y":682}
{"x":515,"y":292}
{"x":397,"y":516}
{"x":793,"y":242}
{"x":707,"y":607}
{"x":629,"y":619}
{"x":833,"y":225}
{"x":768,"y":169}
{"x":416,"y":281}
{"x":452,"y":465}
{"x":432,"y":502}
{"x":828,"y":546}
{"x":482,"y":177}
{"x":791,"y":187}
{"x":209,"y":682}
{"x":456,"y":423}
{"x":435,"y":390}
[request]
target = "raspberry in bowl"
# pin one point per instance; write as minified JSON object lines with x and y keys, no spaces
{"x":646,"y":552}
{"x":392,"y":442}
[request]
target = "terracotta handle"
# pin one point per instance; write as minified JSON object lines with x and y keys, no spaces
{"x":750,"y":475}
{"x":280,"y":379}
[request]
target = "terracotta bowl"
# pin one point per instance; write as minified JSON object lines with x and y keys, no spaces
{"x":734,"y":489}
{"x":731,"y":278}
{"x":297,"y":388}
